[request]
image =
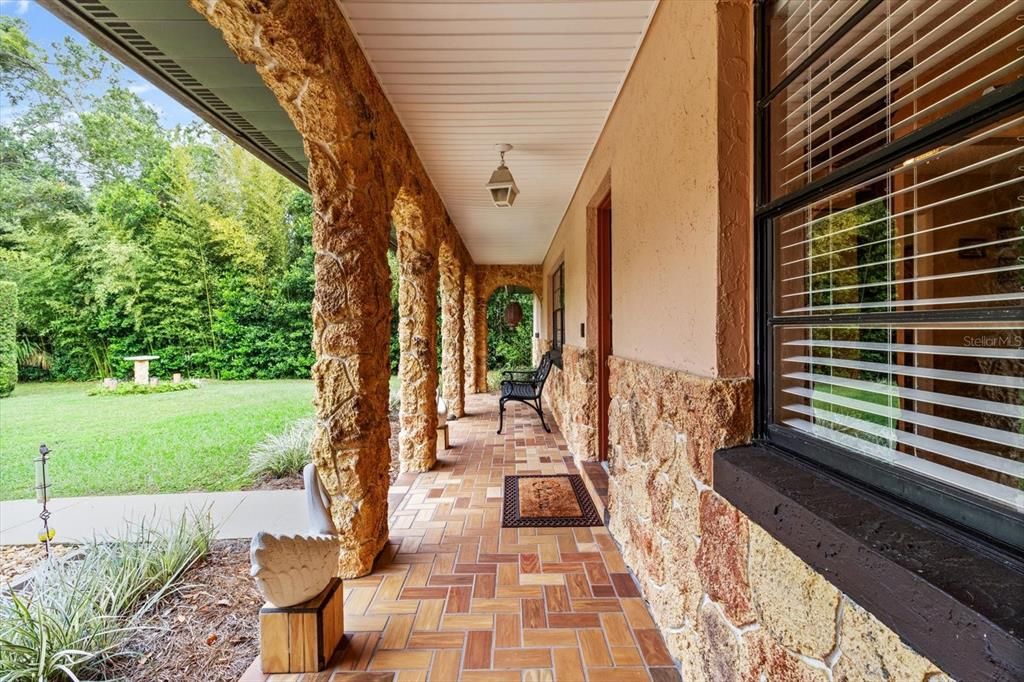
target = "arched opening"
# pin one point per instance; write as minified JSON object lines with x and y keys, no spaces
{"x":509,"y":346}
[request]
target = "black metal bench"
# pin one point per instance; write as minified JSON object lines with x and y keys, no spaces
{"x":526,"y":391}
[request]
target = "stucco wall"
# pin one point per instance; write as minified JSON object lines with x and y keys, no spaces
{"x":661,"y":148}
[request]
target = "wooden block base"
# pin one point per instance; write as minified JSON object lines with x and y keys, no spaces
{"x":442,"y":438}
{"x":302,"y":638}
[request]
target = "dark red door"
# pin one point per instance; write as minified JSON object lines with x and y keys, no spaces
{"x":604,"y":320}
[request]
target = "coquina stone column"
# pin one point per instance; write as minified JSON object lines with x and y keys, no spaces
{"x":452,"y":335}
{"x":480,"y":339}
{"x":469,"y":329}
{"x":308,"y":57}
{"x":417,"y":335}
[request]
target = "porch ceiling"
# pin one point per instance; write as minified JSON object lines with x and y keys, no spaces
{"x":462,"y":76}
{"x":468,"y":74}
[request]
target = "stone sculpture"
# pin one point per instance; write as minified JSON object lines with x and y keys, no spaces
{"x":292,"y":569}
{"x":318,"y":503}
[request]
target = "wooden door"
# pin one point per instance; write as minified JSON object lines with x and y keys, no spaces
{"x":604,"y":320}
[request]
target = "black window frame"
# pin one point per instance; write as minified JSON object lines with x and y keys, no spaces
{"x":558,"y":307}
{"x":925,"y":495}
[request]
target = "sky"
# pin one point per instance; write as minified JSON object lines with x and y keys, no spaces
{"x":45,"y":29}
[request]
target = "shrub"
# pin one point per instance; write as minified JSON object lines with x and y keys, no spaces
{"x":79,"y":615}
{"x":279,"y":455}
{"x":143,"y":389}
{"x":8,"y":337}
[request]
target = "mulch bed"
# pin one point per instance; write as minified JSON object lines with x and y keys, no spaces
{"x":17,"y":560}
{"x":209,"y":629}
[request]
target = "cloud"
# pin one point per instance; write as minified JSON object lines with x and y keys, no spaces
{"x":140,"y":88}
{"x":20,"y":6}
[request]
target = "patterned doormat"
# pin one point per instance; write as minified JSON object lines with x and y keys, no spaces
{"x":545,"y":501}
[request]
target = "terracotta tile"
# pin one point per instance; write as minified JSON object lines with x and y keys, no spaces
{"x":492,"y":558}
{"x":550,"y":638}
{"x":653,"y":647}
{"x":594,"y":649}
{"x":665,"y":675}
{"x":561,"y":567}
{"x":624,"y":585}
{"x":636,"y":614}
{"x":616,"y":630}
{"x":507,"y":632}
{"x":522,"y":658}
{"x":529,"y":563}
{"x":596,"y":574}
{"x":534,"y":614}
{"x":573,"y":620}
{"x":365,"y":623}
{"x":490,"y":676}
{"x":396,"y":634}
{"x":556,"y":599}
{"x":459,"y":599}
{"x":494,"y":606}
{"x":541,"y":579}
{"x":424,"y":593}
{"x":361,"y":677}
{"x":429,"y":615}
{"x":446,"y":666}
{"x":356,"y":655}
{"x":476,"y":621}
{"x":409,"y":676}
{"x":582,"y":556}
{"x":476,"y":568}
{"x":437,"y":640}
{"x":520,"y":591}
{"x":603,"y":590}
{"x":617,"y":675}
{"x":484,"y":588}
{"x":451,"y":580}
{"x":538,"y":676}
{"x":578,"y":586}
{"x":626,"y":656}
{"x":596,"y":605}
{"x":567,"y":665}
{"x":508,"y":574}
{"x":478,"y":649}
{"x":401,"y":660}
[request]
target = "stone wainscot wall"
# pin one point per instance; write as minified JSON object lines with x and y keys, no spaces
{"x":732,"y":602}
{"x":570,"y":395}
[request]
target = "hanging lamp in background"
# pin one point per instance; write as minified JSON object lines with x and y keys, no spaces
{"x":513,"y":313}
{"x":502,"y":185}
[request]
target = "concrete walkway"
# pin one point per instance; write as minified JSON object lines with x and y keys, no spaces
{"x":238,"y":514}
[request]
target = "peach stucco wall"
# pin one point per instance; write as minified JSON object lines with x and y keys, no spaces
{"x":673,"y":161}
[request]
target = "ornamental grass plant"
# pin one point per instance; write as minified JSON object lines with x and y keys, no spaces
{"x":74,"y":619}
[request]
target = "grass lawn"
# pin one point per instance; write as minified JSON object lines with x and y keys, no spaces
{"x":161,"y":443}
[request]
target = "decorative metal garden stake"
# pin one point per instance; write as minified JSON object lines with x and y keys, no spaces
{"x":42,"y":496}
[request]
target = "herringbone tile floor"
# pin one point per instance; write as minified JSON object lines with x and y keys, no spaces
{"x":456,"y":597}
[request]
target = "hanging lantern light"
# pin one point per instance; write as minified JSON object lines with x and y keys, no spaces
{"x":513,"y":312}
{"x":502,"y":185}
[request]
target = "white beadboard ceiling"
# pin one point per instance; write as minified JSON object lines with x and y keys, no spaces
{"x":541,"y":75}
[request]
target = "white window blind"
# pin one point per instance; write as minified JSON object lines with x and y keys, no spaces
{"x":897,"y":309}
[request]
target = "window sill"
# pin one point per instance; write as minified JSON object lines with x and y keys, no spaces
{"x":958,"y":602}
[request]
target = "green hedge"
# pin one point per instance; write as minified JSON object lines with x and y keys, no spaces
{"x":8,"y":337}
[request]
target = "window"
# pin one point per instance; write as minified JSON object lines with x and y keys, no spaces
{"x":890,"y":241}
{"x":558,"y":308}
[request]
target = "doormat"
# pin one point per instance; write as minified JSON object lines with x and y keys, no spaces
{"x":543,"y":501}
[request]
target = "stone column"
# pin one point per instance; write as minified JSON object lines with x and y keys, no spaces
{"x":469,"y":329}
{"x":417,"y":335}
{"x":480,"y":350}
{"x":307,"y":56}
{"x":452,"y":336}
{"x":351,"y":331}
